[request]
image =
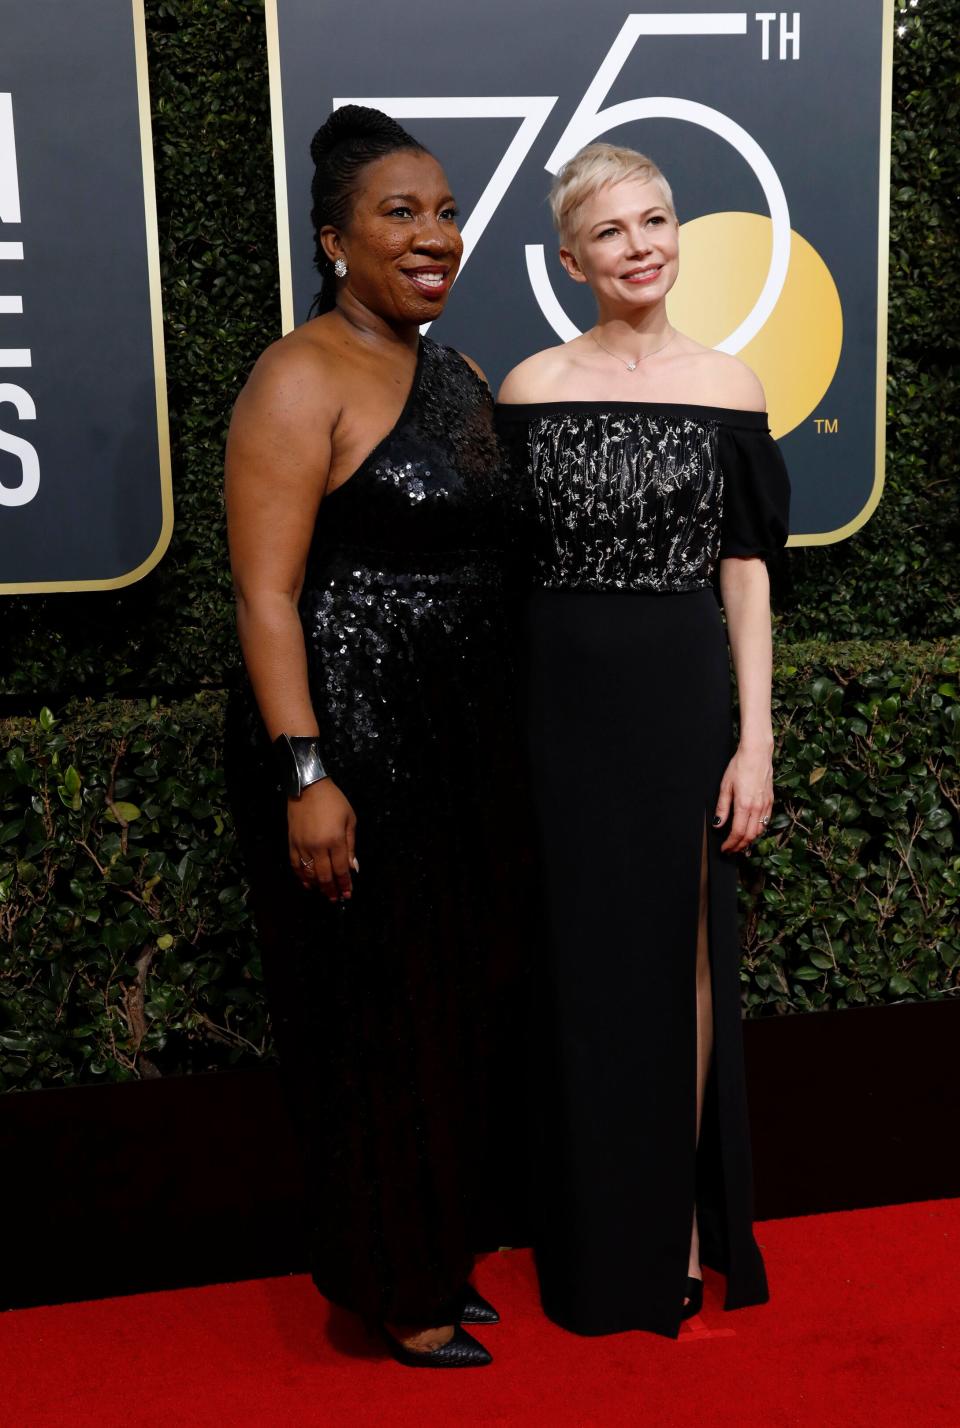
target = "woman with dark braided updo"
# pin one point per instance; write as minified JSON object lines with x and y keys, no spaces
{"x":371,"y":757}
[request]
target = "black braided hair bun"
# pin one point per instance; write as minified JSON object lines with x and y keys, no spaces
{"x":356,"y":122}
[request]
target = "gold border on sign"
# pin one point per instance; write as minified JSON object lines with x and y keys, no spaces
{"x":156,"y":329}
{"x":272,"y":20}
{"x":883,"y":266}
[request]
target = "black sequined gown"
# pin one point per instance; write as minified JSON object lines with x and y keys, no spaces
{"x":629,"y":733}
{"x":395,"y":1014}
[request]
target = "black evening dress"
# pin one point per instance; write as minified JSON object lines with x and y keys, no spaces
{"x":394,"y":1014}
{"x":629,"y":730}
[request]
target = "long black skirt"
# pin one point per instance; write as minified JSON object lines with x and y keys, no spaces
{"x":629,"y":732}
{"x":400,"y":1017}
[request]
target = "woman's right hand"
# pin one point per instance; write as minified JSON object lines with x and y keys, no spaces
{"x":322,"y":828}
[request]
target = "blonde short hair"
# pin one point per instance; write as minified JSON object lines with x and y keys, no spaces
{"x":592,"y":169}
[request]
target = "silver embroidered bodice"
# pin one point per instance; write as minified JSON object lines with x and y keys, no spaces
{"x":646,"y":497}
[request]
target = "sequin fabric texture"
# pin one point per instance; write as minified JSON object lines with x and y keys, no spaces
{"x":626,"y":501}
{"x":395,"y":1014}
{"x":405,"y":583}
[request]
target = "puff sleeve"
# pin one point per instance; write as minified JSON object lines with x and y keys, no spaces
{"x":756,"y":491}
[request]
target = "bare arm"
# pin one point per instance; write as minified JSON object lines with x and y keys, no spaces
{"x":278,"y":462}
{"x":748,"y":782}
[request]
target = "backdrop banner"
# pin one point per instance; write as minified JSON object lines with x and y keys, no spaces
{"x":773,"y":128}
{"x":85,"y":495}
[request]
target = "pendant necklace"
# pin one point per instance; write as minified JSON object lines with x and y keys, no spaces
{"x":632,"y":365}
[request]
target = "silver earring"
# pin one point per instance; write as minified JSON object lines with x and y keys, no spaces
{"x":340,"y":268}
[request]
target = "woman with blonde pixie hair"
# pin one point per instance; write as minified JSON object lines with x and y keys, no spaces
{"x":658,"y":489}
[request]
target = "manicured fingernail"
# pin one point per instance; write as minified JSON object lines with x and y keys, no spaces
{"x":717,"y":820}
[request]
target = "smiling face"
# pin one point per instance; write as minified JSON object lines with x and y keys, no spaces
{"x":402,"y":245}
{"x":626,"y":245}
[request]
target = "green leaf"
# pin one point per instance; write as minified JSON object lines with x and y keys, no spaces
{"x":129,"y":812}
{"x":15,"y":1043}
{"x":821,"y":689}
{"x":938,"y":818}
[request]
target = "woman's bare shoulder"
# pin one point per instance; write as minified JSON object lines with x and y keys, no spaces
{"x":298,"y":370}
{"x":725,"y":381}
{"x":536,"y":379}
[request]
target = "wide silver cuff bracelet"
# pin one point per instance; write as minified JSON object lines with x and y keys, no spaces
{"x":298,"y":762}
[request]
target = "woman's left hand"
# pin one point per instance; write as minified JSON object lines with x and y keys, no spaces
{"x":747,"y":789}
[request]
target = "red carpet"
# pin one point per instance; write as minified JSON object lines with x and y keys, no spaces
{"x":863,"y":1329}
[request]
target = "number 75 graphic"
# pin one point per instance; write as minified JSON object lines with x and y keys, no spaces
{"x":588,"y":123}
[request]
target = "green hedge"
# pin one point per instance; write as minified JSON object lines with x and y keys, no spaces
{"x":131,"y":949}
{"x":853,"y":899}
{"x":122,"y":907}
{"x":211,"y":125}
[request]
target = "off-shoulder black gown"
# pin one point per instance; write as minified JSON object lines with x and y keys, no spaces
{"x":394,"y":1014}
{"x":629,"y":724}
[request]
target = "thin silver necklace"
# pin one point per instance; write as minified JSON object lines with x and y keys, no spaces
{"x":632,"y":365}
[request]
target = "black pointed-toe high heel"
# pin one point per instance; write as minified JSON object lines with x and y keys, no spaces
{"x":474,"y":1309}
{"x":462,"y":1351}
{"x":694,"y":1294}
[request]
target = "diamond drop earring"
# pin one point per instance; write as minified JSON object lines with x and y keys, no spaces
{"x":340,"y":268}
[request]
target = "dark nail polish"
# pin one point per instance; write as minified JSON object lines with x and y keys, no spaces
{"x":717,"y":820}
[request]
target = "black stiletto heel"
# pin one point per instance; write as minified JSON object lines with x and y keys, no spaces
{"x":462,"y":1351}
{"x":694,"y":1293}
{"x":474,"y":1309}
